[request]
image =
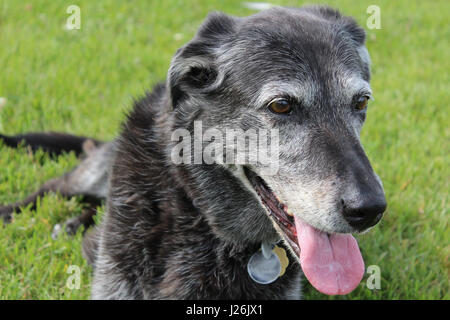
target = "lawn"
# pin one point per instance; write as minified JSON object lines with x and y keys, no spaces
{"x":83,"y":81}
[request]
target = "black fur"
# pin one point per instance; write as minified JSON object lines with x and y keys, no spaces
{"x":187,"y":231}
{"x":159,"y":238}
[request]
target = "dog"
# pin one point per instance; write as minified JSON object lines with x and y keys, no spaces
{"x":209,"y":230}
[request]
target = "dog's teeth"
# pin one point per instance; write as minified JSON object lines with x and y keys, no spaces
{"x":289,"y":212}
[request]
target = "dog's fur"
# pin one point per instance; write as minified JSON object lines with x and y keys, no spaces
{"x":187,"y":231}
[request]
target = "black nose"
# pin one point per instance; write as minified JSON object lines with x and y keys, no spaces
{"x":364,"y":214}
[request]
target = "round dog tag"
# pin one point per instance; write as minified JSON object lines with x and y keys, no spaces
{"x":264,"y":270}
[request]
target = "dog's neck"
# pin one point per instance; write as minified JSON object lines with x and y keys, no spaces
{"x":182,"y":236}
{"x":185,"y":258}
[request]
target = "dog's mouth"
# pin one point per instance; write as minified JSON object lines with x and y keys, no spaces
{"x":277,"y":210}
{"x":332,"y":262}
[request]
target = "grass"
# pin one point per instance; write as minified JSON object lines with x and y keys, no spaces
{"x":82,"y":82}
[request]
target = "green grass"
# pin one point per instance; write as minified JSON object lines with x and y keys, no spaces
{"x":82,"y":82}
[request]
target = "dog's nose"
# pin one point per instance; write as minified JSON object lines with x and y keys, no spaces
{"x":364,"y":214}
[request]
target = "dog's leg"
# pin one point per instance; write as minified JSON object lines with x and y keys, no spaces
{"x":55,"y":144}
{"x":58,"y":185}
{"x":89,"y":179}
{"x":52,"y":142}
{"x":86,"y":219}
{"x":63,"y":186}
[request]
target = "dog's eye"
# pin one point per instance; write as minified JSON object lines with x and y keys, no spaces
{"x":361,"y":103}
{"x":280,"y":106}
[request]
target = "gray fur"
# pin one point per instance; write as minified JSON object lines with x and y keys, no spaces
{"x":189,"y":230}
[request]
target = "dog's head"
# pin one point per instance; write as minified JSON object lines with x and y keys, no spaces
{"x":304,"y":73}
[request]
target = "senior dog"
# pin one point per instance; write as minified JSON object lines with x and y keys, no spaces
{"x":221,"y":230}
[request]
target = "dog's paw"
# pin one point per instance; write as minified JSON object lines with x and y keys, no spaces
{"x":71,"y":227}
{"x":6,"y":213}
{"x":57,"y":229}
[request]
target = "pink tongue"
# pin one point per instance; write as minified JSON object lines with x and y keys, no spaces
{"x":332,"y":263}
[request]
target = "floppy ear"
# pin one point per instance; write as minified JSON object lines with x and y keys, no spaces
{"x":193,"y":66}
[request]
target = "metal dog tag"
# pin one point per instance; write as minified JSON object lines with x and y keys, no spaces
{"x":262,"y":269}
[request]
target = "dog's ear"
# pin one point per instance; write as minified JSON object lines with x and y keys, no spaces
{"x":193,"y":66}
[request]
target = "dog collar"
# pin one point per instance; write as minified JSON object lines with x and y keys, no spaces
{"x":267,"y":264}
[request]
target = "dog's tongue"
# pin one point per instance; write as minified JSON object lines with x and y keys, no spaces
{"x":332,"y":263}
